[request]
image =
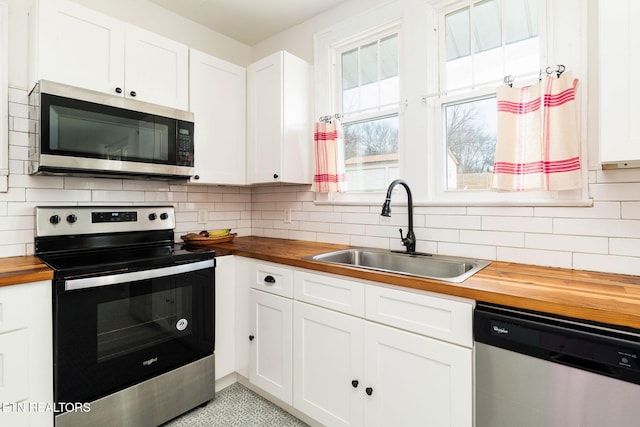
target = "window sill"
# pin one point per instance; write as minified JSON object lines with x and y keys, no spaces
{"x":471,"y":203}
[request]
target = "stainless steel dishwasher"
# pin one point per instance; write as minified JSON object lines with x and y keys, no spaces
{"x":534,"y":369}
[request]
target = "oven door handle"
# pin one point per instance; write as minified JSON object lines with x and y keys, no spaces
{"x":114,"y":279}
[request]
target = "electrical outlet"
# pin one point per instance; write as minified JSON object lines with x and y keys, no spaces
{"x":202,"y":216}
{"x":287,"y":215}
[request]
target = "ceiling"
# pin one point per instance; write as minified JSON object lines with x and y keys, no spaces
{"x":248,"y":21}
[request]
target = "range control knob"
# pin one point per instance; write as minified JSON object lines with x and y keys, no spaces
{"x":54,"y":219}
{"x":71,"y":218}
{"x":153,"y":216}
{"x":164,"y":215}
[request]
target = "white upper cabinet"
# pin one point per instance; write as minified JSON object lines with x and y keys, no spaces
{"x":279,"y":132}
{"x":78,"y":46}
{"x":156,"y":69}
{"x":619,"y":84}
{"x":217,"y":96}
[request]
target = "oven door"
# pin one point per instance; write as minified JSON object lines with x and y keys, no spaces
{"x":113,"y":331}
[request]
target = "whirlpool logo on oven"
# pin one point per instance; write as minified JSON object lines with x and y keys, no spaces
{"x":149,"y":362}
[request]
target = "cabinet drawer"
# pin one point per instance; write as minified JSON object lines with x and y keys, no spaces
{"x":270,"y":278}
{"x":14,"y":309}
{"x":427,"y":315}
{"x":330,"y":292}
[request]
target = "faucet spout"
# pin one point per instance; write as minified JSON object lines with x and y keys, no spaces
{"x":409,"y":241}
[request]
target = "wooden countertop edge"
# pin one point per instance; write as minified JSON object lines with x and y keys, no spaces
{"x":23,"y":269}
{"x":600,"y":297}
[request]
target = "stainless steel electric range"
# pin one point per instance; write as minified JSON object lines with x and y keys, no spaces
{"x":133,"y":315}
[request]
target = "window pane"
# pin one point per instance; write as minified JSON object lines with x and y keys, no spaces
{"x":350,"y":69}
{"x":389,"y":57}
{"x":487,"y":25}
{"x":369,"y":63}
{"x":471,"y":143}
{"x":457,"y":34}
{"x":521,"y":19}
{"x":371,"y":153}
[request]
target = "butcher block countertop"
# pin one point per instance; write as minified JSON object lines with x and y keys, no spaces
{"x":23,"y":269}
{"x":600,"y":297}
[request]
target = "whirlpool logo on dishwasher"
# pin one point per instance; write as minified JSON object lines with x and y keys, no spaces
{"x":499,"y":330}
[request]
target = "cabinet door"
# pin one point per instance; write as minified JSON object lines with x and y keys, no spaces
{"x":328,"y":382}
{"x":270,"y":367}
{"x":217,"y":97}
{"x":619,"y":86}
{"x":413,"y":380}
{"x":156,"y":69}
{"x":264,"y":120}
{"x":77,"y":46}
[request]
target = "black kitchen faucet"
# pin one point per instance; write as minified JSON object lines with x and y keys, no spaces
{"x":408,"y":242}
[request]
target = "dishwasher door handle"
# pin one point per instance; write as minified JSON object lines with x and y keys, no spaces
{"x":587,"y":365}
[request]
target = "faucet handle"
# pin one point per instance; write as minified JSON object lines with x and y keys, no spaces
{"x":402,"y":237}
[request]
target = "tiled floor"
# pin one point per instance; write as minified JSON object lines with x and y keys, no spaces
{"x":237,"y":406}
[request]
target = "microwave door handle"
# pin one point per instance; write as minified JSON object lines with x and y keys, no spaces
{"x":114,"y":279}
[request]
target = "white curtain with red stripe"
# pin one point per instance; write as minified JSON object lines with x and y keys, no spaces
{"x":537,"y":143}
{"x":329,"y":150}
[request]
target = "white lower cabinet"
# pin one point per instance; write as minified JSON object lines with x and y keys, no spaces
{"x":271,"y":341}
{"x":354,"y":353}
{"x":328,"y":381}
{"x":352,"y":372}
{"x":412,"y":380}
{"x":26,"y":355}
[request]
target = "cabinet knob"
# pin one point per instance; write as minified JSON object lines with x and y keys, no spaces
{"x":132,"y":93}
{"x":369,"y":391}
{"x":269,"y":280}
{"x":251,"y":337}
{"x":355,"y":383}
{"x":196,"y":177}
{"x":118,"y":90}
{"x":275,"y":176}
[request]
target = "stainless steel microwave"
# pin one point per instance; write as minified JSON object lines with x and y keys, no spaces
{"x":81,"y":132}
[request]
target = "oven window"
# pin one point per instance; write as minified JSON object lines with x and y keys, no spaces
{"x":135,"y":322}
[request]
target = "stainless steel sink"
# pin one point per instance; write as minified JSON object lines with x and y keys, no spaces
{"x":450,"y":269}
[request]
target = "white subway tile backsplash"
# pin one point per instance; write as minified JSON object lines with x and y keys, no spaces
{"x":603,"y":210}
{"x":607,"y":263}
{"x":629,"y":247}
{"x":343,"y":228}
{"x":524,"y":224}
{"x":618,"y":191}
{"x":500,"y":211}
{"x":454,"y":221}
{"x":535,"y":256}
{"x":464,"y":250}
{"x":558,"y":242}
{"x":597,"y":227}
{"x":495,"y":238}
{"x":630,"y":210}
{"x":57,"y":195}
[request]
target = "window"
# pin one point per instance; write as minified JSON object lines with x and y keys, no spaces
{"x":446,"y":59}
{"x":484,"y":42}
{"x":369,"y":93}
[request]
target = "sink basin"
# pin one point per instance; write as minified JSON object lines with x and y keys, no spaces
{"x":449,"y":269}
